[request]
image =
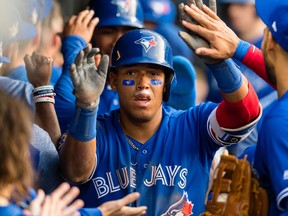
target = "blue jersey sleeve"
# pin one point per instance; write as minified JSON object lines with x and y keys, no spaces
{"x":65,"y":99}
{"x":90,"y":212}
{"x":18,"y":89}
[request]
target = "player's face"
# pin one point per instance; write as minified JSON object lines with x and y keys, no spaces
{"x":105,"y":37}
{"x":268,"y":60}
{"x":140,"y":89}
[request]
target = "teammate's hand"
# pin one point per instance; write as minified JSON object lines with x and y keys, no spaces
{"x":82,"y":25}
{"x":58,"y":203}
{"x":88,"y":80}
{"x":39,"y":69}
{"x":222,"y":40}
{"x":119,"y":208}
{"x":192,"y":39}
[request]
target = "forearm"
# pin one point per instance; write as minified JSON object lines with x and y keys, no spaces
{"x":46,"y":118}
{"x":240,"y":105}
{"x":77,"y":154}
{"x":77,"y":159}
{"x":252,"y":57}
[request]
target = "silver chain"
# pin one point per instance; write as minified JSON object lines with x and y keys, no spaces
{"x":131,"y":143}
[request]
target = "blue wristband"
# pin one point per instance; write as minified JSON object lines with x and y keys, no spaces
{"x":241,"y":50}
{"x":227,"y":75}
{"x":83,"y":126}
{"x":90,"y":212}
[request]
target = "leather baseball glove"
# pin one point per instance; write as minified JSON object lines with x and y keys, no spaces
{"x":235,"y":192}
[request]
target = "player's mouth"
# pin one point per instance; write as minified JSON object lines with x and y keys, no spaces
{"x":142,"y":98}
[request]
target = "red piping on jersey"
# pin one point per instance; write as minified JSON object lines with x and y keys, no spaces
{"x":237,"y":114}
{"x":255,"y":61}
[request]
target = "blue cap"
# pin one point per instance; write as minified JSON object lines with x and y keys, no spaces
{"x":274,"y":13}
{"x":159,"y":11}
{"x":13,"y":28}
{"x":142,"y":46}
{"x":118,"y":13}
{"x":237,"y":2}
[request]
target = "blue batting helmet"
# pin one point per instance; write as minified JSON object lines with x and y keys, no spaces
{"x":144,"y":46}
{"x":159,"y":11}
{"x":118,"y":13}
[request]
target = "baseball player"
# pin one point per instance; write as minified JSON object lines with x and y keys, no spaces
{"x":273,"y":130}
{"x":162,"y":153}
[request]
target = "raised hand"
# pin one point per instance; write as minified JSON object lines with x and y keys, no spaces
{"x":39,"y":69}
{"x":222,"y":40}
{"x":192,"y":39}
{"x":60,"y":202}
{"x":88,"y":80}
{"x":82,"y":25}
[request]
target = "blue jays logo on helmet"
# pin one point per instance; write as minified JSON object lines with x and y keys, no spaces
{"x":182,"y":207}
{"x":147,"y":42}
{"x":122,"y":5}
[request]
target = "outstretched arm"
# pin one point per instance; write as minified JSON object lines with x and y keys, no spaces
{"x":240,"y":109}
{"x":39,"y":70}
{"x":77,"y":154}
{"x":223,"y":42}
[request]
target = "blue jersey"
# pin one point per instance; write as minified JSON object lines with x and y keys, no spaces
{"x":18,"y":89}
{"x":65,"y":99}
{"x":11,"y":210}
{"x":171,"y":170}
{"x":271,"y":156}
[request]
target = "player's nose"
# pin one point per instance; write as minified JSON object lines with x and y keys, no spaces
{"x":143,"y":81}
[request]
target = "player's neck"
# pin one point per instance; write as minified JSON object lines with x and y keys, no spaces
{"x":140,"y":131}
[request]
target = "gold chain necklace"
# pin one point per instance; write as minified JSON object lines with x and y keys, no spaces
{"x":131,"y":143}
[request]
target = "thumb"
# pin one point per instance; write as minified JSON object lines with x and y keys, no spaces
{"x":103,"y":66}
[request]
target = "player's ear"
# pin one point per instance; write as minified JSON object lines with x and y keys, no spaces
{"x":112,"y":80}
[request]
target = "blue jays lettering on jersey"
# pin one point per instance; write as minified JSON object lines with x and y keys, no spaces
{"x":171,"y":170}
{"x":271,"y":153}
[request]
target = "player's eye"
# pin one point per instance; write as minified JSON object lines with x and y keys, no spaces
{"x":153,"y":73}
{"x":130,"y":73}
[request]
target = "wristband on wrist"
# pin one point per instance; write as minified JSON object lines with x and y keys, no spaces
{"x":83,"y":125}
{"x":91,"y":105}
{"x":44,"y":94}
{"x":44,"y":99}
{"x":241,"y":50}
{"x":43,"y":88}
{"x":227,"y":75}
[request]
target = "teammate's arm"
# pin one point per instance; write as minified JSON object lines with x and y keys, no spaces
{"x":39,"y":70}
{"x":224,"y":43}
{"x":77,"y":153}
{"x":240,"y":109}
